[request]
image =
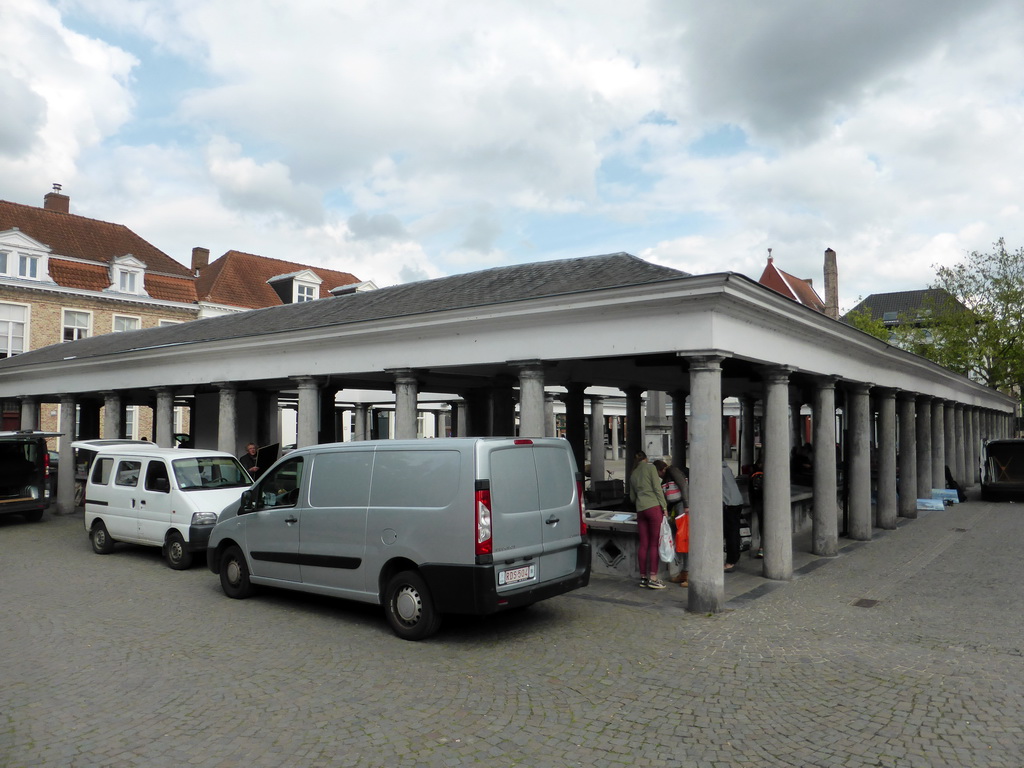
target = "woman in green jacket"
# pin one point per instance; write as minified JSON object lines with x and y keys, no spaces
{"x":649,"y":499}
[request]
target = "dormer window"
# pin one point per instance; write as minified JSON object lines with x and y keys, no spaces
{"x":127,"y":275}
{"x":23,"y":258}
{"x":296,"y":287}
{"x":28,"y":267}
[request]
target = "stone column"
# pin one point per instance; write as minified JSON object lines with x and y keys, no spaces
{"x":359,"y":428}
{"x":908,"y":455}
{"x":615,"y":424}
{"x":707,"y":579}
{"x":860,"y":462}
{"x":976,"y":444}
{"x":949,"y":440}
{"x":938,"y":445}
{"x":164,"y":417}
{"x":66,"y":469}
{"x":463,"y":423}
{"x":777,"y":522}
{"x":596,"y":438}
{"x":825,"y":531}
{"x":406,"y":393}
{"x":327,"y":431}
{"x":550,"y":419}
{"x":923,"y":428}
{"x":634,"y":427}
{"x":308,"y":416}
{"x":227,"y":422}
{"x":960,"y":445}
{"x":886,"y":493}
{"x":29,"y":413}
{"x":679,"y":428}
{"x":532,"y":406}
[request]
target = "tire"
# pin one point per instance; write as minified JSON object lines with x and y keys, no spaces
{"x":102,"y":544}
{"x":176,"y":552}
{"x":33,"y":517}
{"x":409,"y":607}
{"x":234,"y":574}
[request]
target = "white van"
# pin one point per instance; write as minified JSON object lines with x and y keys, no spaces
{"x":161,"y":497}
{"x":422,"y":527}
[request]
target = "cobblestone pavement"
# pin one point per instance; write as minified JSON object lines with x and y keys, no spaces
{"x":119,"y":661}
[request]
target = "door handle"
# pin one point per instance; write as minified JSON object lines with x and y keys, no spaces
{"x":291,"y":520}
{"x":551,"y":520}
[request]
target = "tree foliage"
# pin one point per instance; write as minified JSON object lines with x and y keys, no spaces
{"x":863,"y":320}
{"x":987,"y":341}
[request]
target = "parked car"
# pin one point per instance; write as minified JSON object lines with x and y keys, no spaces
{"x":25,"y":473}
{"x":1003,"y":470}
{"x":421,"y":527}
{"x":162,"y":497}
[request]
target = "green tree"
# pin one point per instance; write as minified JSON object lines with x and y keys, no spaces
{"x":862,"y":320}
{"x":987,"y":341}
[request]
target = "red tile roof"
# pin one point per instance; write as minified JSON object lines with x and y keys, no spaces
{"x":240,"y":280}
{"x":100,"y":242}
{"x":796,"y":288}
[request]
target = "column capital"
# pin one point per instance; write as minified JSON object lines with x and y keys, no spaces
{"x":403,"y":375}
{"x":924,"y":399}
{"x":858,"y":387}
{"x":906,"y":396}
{"x":776,"y":374}
{"x":225,"y":385}
{"x":827,"y":381}
{"x":709,"y":362}
{"x":886,"y":392}
{"x":308,"y":382}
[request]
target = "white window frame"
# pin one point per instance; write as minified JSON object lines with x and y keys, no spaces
{"x":128,"y":269}
{"x":115,"y":318}
{"x":64,"y":324}
{"x":163,"y":322}
{"x":24,"y":327}
{"x":131,"y":422}
{"x":29,"y":266}
{"x":305,"y":292}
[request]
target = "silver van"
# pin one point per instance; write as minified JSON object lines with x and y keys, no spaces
{"x":161,"y":497}
{"x":422,"y":527}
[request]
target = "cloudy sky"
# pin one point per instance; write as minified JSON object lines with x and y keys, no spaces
{"x":402,"y":140}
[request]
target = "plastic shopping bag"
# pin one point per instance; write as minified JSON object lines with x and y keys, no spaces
{"x":666,"y":544}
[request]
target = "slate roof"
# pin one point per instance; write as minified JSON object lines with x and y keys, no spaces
{"x":796,"y":288}
{"x":97,"y":241}
{"x":240,"y":280}
{"x":500,"y":285}
{"x":902,"y":304}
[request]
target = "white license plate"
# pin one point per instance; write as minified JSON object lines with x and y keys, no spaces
{"x":516,"y":575}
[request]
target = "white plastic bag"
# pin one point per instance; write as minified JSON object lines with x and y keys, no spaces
{"x":666,"y":545}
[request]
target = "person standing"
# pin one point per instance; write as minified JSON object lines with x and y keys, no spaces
{"x":248,"y":460}
{"x":670,"y":473}
{"x":732,"y":506}
{"x":649,"y":499}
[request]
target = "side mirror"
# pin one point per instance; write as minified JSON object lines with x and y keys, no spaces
{"x":246,"y":503}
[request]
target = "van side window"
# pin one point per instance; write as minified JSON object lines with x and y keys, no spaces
{"x":128,"y":473}
{"x":340,"y":479}
{"x":101,"y":472}
{"x":415,"y":479}
{"x":280,"y":488}
{"x":157,"y":478}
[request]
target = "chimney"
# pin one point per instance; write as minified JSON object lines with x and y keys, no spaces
{"x":200,"y":259}
{"x":55,"y":201}
{"x":831,"y":285}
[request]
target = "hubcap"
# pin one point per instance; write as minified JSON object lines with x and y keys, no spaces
{"x":234,"y":573}
{"x":408,"y":605}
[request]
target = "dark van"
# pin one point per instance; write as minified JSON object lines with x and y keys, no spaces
{"x":25,"y":474}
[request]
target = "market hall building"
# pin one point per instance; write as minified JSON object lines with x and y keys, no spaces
{"x":497,"y":339}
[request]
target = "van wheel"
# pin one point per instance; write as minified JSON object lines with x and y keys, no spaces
{"x":176,"y":553}
{"x":33,"y":517}
{"x":409,"y":607}
{"x":102,"y":544}
{"x":234,"y":574}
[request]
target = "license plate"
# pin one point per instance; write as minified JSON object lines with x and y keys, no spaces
{"x":516,"y":575}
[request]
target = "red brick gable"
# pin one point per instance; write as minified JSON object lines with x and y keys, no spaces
{"x":796,"y":288}
{"x":240,"y":280}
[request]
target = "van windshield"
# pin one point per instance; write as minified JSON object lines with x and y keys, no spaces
{"x":204,"y":472}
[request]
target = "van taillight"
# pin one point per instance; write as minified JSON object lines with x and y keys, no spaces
{"x":484,"y":542}
{"x":46,"y":464}
{"x":583,"y":516}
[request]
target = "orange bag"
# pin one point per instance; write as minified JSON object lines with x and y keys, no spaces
{"x":683,"y":533}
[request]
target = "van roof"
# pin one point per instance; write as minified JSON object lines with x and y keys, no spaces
{"x":149,"y":449}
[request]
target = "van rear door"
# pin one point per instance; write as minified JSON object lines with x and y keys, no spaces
{"x":535,"y":512}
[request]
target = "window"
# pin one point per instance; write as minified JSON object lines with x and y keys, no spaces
{"x":304,"y":293}
{"x":281,"y":489}
{"x":12,"y":329}
{"x":76,"y":325}
{"x":127,"y":275}
{"x":128,"y":473}
{"x":129,"y":282}
{"x":157,"y":478}
{"x":131,"y":421}
{"x":124,"y":323}
{"x":3,"y":262}
{"x":28,"y":266}
{"x":165,"y":323}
